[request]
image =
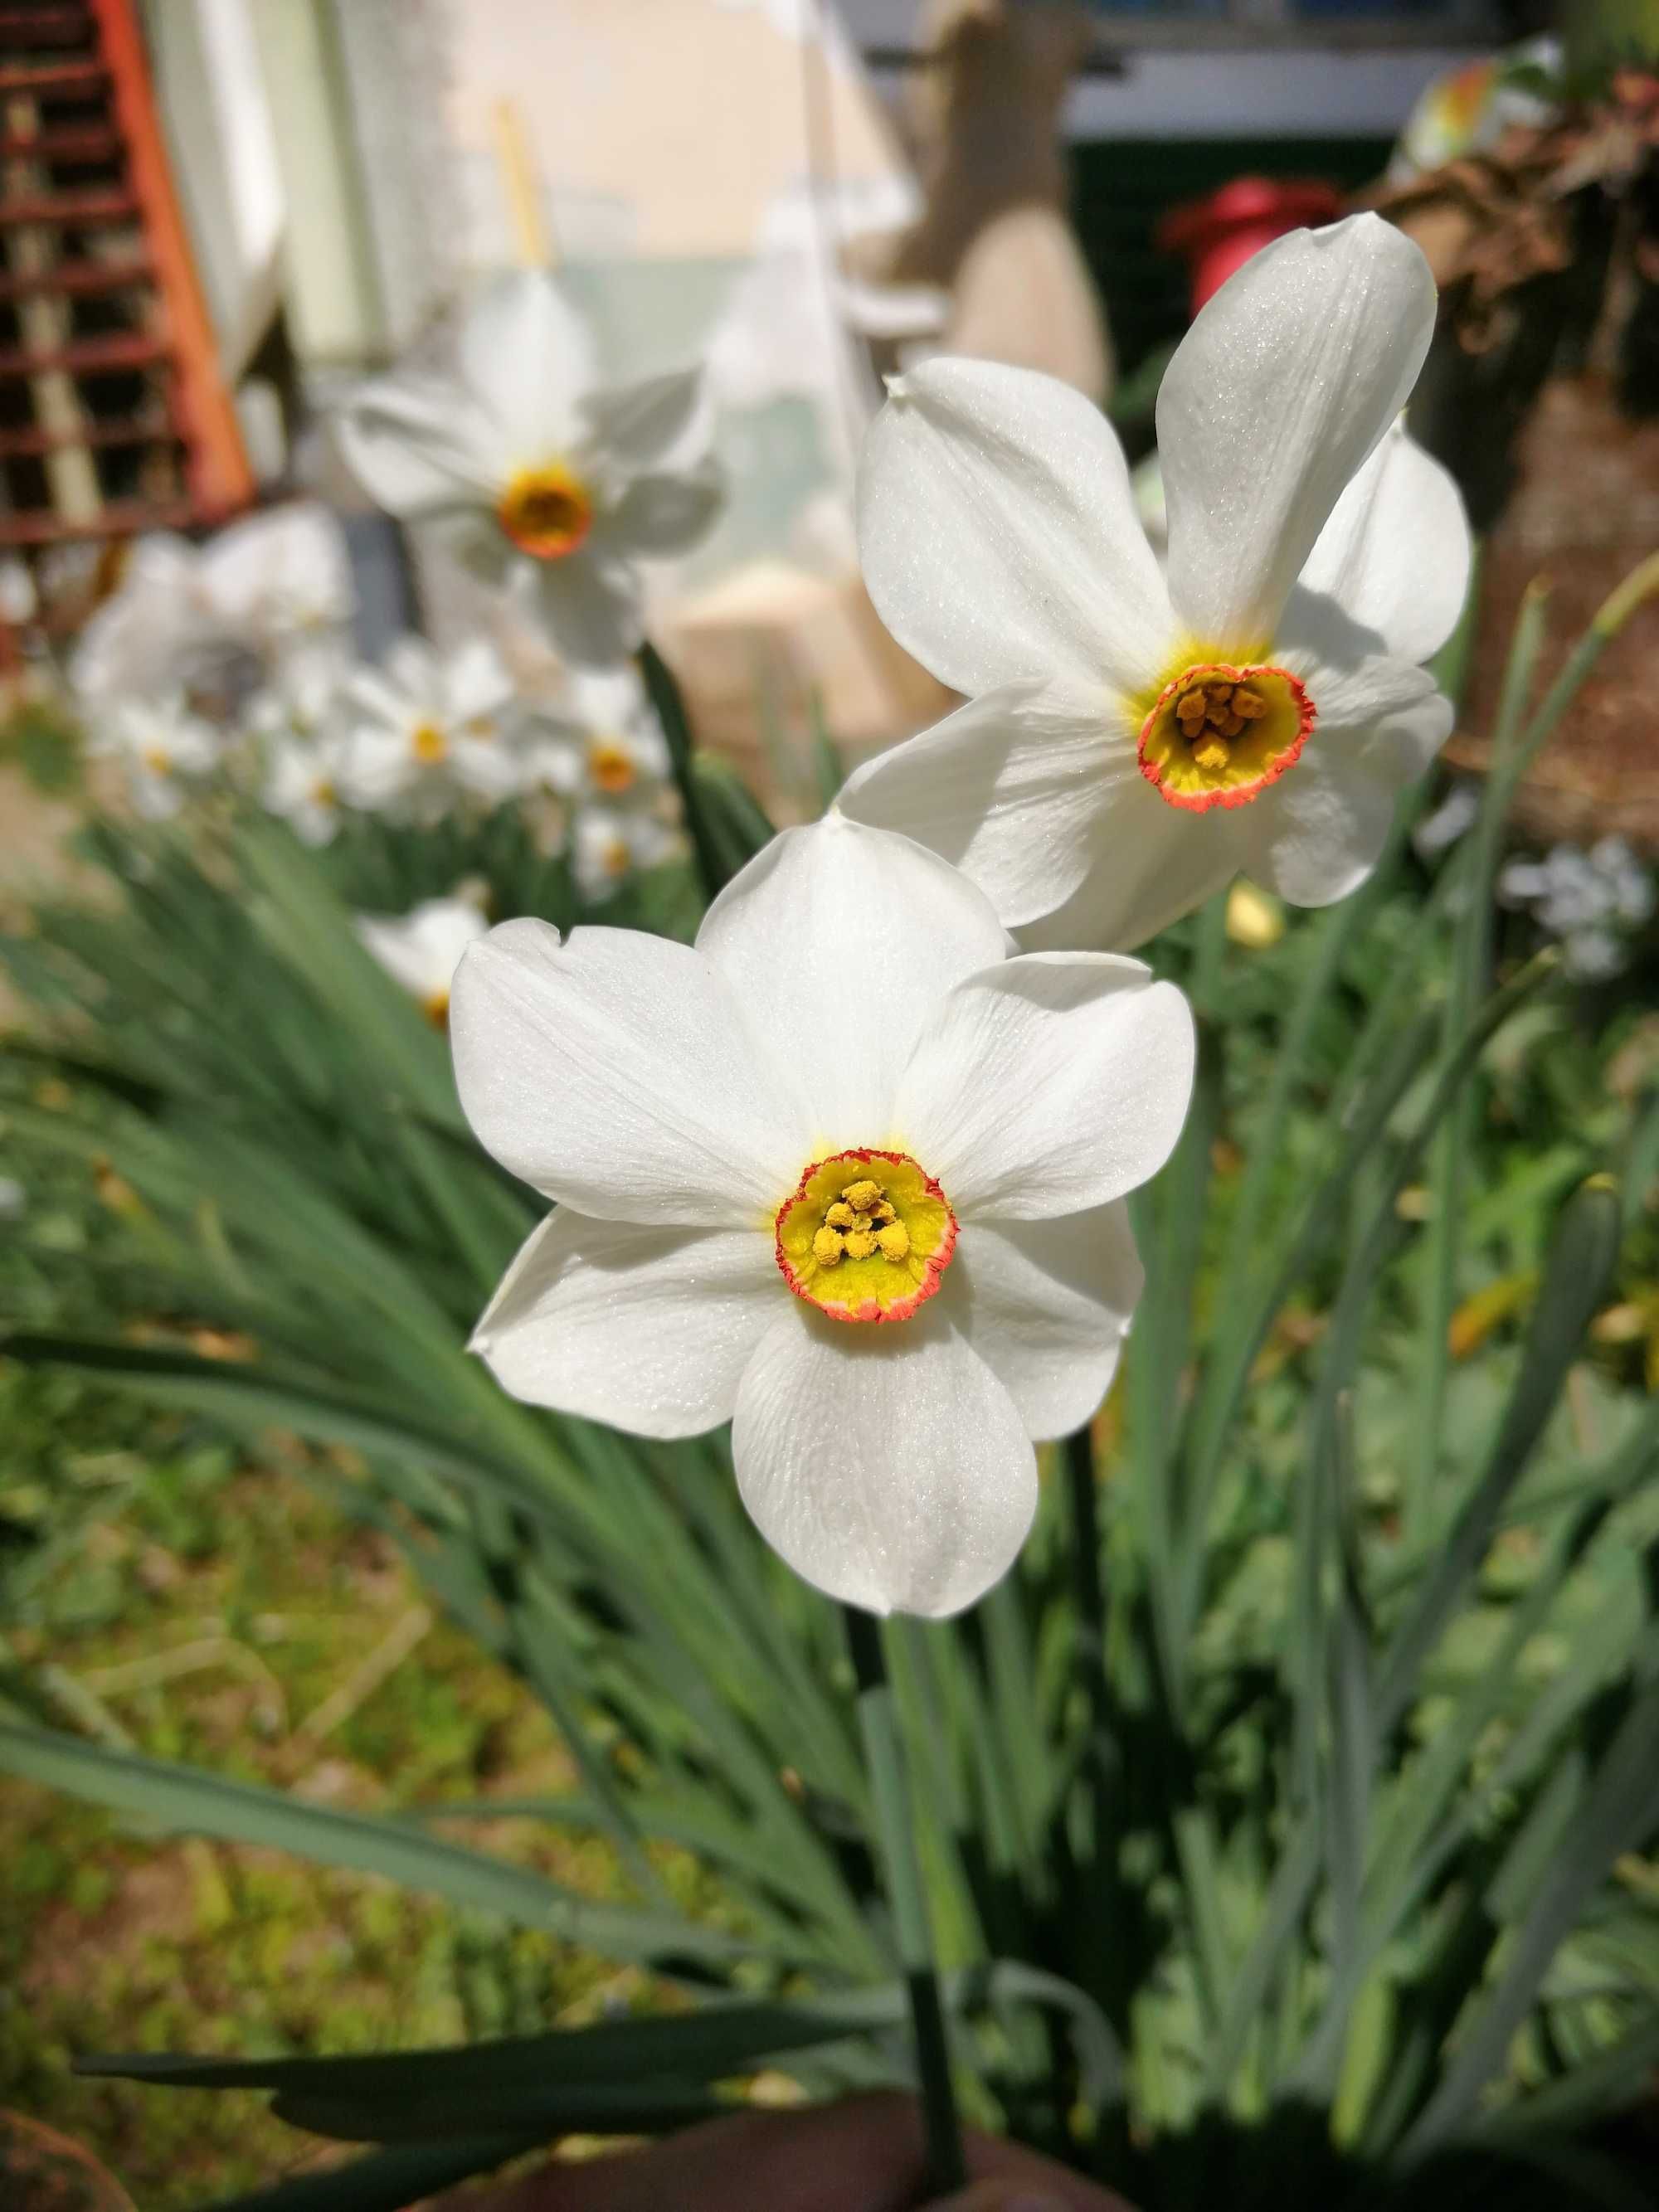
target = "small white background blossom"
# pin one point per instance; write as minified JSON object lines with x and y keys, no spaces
{"x":540,"y":477}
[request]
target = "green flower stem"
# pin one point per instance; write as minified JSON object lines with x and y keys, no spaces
{"x":885,"y":1761}
{"x":663,"y":687}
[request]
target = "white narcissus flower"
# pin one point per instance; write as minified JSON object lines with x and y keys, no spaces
{"x":217,"y":617}
{"x":297,"y":725}
{"x":604,"y":741}
{"x":844,"y":1173}
{"x":422,"y":949}
{"x":1136,"y":736}
{"x":423,"y":728}
{"x":609,"y":843}
{"x":161,"y":747}
{"x":543,"y":478}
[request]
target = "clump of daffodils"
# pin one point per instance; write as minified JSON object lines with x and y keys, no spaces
{"x":1138,"y":732}
{"x":539,"y":475}
{"x":846,"y":1172}
{"x":603,"y":754}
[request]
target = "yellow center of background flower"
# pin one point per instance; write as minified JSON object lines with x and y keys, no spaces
{"x":546,"y":512}
{"x":611,"y":765}
{"x":866,"y":1236}
{"x":1218,"y":735}
{"x":427,"y":742}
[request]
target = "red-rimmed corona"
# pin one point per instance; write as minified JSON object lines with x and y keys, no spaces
{"x":865,"y":1236}
{"x":1218,"y":735}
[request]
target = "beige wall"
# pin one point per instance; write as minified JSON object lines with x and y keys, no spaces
{"x":659,"y":128}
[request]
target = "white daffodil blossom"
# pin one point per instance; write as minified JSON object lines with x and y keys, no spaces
{"x":218,"y":619}
{"x":609,"y":843}
{"x":421,"y":950}
{"x":605,"y":743}
{"x":161,"y":747}
{"x":423,"y":728}
{"x":296,"y":726}
{"x":281,"y":579}
{"x":543,"y":478}
{"x":1135,"y":734}
{"x":846,"y":1173}
{"x":302,"y":783}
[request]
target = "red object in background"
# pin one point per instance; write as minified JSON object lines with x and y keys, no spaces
{"x":1216,"y":235}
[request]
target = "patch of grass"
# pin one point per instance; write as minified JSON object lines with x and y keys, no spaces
{"x":206,"y":1611}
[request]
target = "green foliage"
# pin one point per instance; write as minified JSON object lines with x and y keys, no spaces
{"x":1304,"y":1764}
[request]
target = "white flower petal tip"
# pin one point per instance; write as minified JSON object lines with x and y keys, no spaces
{"x":1050,"y":1084}
{"x":615,"y":1073}
{"x":998,"y":538}
{"x":645,"y":1327}
{"x":900,"y":1481}
{"x":1277,"y":395}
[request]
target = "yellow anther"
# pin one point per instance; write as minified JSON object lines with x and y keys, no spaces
{"x":1250,"y":704}
{"x":894,"y":1239}
{"x":840,"y":1216}
{"x":427,"y":742}
{"x":861,"y":1196}
{"x":826,"y":1248}
{"x":883,"y":1213}
{"x":859,"y":1244}
{"x":1211,"y":753}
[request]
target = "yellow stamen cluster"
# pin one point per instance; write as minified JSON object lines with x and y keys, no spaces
{"x":1211,"y":713}
{"x":157,"y":760}
{"x":546,"y":512}
{"x":859,"y":1224}
{"x":611,"y":765}
{"x":429,"y":744}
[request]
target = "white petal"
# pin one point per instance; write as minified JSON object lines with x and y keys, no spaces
{"x":639,"y":423}
{"x":475,"y":681}
{"x":887,"y":1465}
{"x":418,"y":448}
{"x":614,"y":1073}
{"x":838,"y":942}
{"x":1047,"y":1305}
{"x":647,"y":1328}
{"x":1152,"y":863}
{"x":660,"y":514}
{"x":1315,"y":835}
{"x":999,"y":537}
{"x":1007,"y":789}
{"x":1052,"y":1083}
{"x":1275,"y":398}
{"x":526,"y":355}
{"x":1394,"y":554}
{"x":592,"y":609}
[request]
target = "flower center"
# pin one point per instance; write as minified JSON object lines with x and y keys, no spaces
{"x":546,"y":512}
{"x":157,"y":760}
{"x":322,"y":793}
{"x":610,"y":766}
{"x":429,"y":744}
{"x":1218,"y":735}
{"x":865,"y":1236}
